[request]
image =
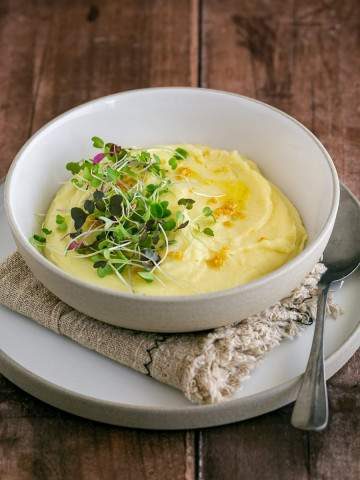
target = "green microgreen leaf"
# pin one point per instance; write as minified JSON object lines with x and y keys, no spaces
{"x":95,"y":182}
{"x":120,"y":233}
{"x":144,"y":157}
{"x":87,"y":173}
{"x":89,"y":206}
{"x":77,"y":182}
{"x":62,"y":227}
{"x":97,"y":142}
{"x":79,"y":216}
{"x":169,"y":225}
{"x":39,"y":238}
{"x":73,"y":167}
{"x":96,"y":258}
{"x":112,"y":175}
{"x":156,"y":170}
{"x":150,"y":225}
{"x":187,"y":202}
{"x":103,"y":271}
{"x":150,"y":188}
{"x":173,"y":163}
{"x":35,"y":243}
{"x":147,"y":276}
{"x":166,"y":212}
{"x":100,"y":205}
{"x":104,"y":244}
{"x":106,"y":253}
{"x":61,"y":223}
{"x":208,"y":232}
{"x":156,"y":210}
{"x":115,"y":205}
{"x":180,"y":153}
{"x":98,"y":195}
{"x":207,"y":211}
{"x":114,"y":152}
{"x":99,"y":263}
{"x":46,"y":231}
{"x":183,"y":225}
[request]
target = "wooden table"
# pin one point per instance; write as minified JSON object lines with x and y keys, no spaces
{"x":301,"y":56}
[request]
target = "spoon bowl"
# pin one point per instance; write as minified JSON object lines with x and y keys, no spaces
{"x":342,"y":254}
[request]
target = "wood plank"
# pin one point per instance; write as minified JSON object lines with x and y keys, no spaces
{"x":268,"y":447}
{"x":264,"y":448}
{"x":335,"y":452}
{"x":96,"y":51}
{"x":53,"y":56}
{"x":303,"y":57}
{"x":41,"y":442}
{"x":349,"y":376}
{"x":22,"y":43}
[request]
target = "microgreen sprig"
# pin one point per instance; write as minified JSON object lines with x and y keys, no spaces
{"x":125,"y":203}
{"x":179,"y":154}
{"x":125,"y":225}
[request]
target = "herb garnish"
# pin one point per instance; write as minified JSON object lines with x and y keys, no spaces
{"x":208,"y":232}
{"x":61,"y":223}
{"x":187,"y":202}
{"x":125,"y":223}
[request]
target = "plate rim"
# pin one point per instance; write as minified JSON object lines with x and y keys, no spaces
{"x":150,"y":417}
{"x":169,"y":418}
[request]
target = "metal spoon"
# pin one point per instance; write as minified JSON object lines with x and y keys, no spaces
{"x":341,"y":257}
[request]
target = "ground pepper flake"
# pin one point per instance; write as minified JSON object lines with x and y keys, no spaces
{"x":228,"y":224}
{"x":184,"y":171}
{"x":176,"y":255}
{"x":218,"y":259}
{"x":229,"y":208}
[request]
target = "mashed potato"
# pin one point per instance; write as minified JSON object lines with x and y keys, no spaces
{"x":255,"y":227}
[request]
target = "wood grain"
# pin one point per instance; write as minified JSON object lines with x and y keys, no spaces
{"x":265,"y":448}
{"x":40,"y":442}
{"x":268,"y":448}
{"x":21,"y":43}
{"x":303,"y":57}
{"x":98,"y":50}
{"x":53,"y":56}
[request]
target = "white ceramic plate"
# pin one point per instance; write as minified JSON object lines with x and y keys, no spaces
{"x":70,"y":377}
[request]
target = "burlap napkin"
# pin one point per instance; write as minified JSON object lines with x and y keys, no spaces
{"x":207,"y":367}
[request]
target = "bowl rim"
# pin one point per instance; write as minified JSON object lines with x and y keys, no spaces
{"x":258,"y":283}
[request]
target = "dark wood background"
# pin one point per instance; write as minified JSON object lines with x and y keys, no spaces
{"x":301,"y":56}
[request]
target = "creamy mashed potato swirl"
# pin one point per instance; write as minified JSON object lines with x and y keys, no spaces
{"x":257,"y":229}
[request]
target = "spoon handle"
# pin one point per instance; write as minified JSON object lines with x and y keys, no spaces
{"x":311,"y":407}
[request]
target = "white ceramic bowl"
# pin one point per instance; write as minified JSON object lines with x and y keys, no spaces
{"x":288,"y":154}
